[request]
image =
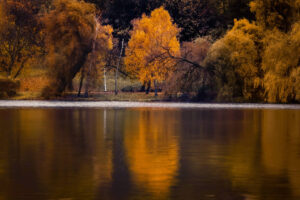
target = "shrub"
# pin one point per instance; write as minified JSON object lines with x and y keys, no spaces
{"x":8,"y":87}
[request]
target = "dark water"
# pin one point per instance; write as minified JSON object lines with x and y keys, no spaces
{"x":149,"y":154}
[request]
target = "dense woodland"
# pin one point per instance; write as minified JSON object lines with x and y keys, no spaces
{"x":208,"y":50}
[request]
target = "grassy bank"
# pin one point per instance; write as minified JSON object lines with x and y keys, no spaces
{"x":32,"y":83}
{"x":95,"y":96}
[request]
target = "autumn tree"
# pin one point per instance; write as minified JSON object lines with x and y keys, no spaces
{"x":71,"y":28}
{"x":280,"y":59}
{"x":20,"y":38}
{"x":153,"y":39}
{"x":236,"y":61}
{"x":281,"y":65}
{"x":259,"y":61}
{"x":190,"y":77}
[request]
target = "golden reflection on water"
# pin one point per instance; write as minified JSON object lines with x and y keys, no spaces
{"x":146,"y":153}
{"x":281,"y":145}
{"x":267,"y":152}
{"x":50,"y":150}
{"x":152,"y":151}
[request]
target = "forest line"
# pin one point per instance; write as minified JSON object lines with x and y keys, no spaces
{"x":212,"y":50}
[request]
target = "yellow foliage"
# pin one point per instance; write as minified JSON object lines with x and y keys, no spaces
{"x":153,"y":39}
{"x":281,"y":65}
{"x":104,"y":37}
{"x":104,"y":43}
{"x":252,"y":57}
{"x":235,"y":58}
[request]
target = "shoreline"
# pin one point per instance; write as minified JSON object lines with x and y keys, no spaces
{"x":133,"y":104}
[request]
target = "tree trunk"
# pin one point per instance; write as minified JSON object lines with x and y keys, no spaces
{"x":155,"y":87}
{"x":105,"y":88}
{"x":80,"y":84}
{"x":10,"y":66}
{"x":86,"y":92}
{"x":116,"y":82}
{"x":143,"y":87}
{"x":20,"y":69}
{"x":61,"y":82}
{"x":148,"y":87}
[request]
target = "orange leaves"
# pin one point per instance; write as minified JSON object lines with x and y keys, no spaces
{"x":104,"y":38}
{"x":72,"y":20}
{"x":153,"y":39}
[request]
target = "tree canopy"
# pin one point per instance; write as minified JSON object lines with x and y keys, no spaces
{"x":259,"y":61}
{"x":153,"y":38}
{"x":71,"y":28}
{"x":20,"y":36}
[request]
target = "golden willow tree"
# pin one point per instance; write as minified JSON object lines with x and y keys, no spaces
{"x":72,"y":33}
{"x":153,"y":40}
{"x":259,"y":61}
{"x":281,"y":63}
{"x":280,"y":60}
{"x":235,"y":60}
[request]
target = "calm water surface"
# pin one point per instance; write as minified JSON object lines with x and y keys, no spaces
{"x":146,"y":153}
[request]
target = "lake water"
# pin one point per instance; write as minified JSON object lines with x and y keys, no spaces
{"x":150,"y":153}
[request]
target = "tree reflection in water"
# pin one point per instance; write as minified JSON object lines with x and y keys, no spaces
{"x":149,"y":154}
